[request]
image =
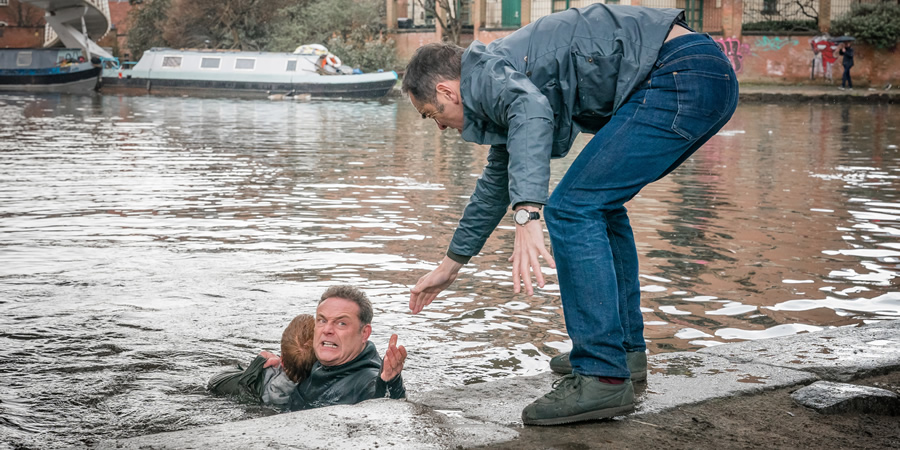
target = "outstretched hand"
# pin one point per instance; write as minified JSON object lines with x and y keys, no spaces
{"x":394,"y":358}
{"x":431,"y":284}
{"x":529,"y":246}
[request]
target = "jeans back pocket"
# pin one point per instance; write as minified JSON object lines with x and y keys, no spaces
{"x":703,"y":98}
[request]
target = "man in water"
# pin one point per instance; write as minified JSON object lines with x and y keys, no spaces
{"x":348,"y":369}
{"x":651,"y":91}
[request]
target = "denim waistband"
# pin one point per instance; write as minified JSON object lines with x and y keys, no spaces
{"x":670,"y":48}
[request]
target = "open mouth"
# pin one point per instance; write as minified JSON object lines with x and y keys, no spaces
{"x":329,"y":344}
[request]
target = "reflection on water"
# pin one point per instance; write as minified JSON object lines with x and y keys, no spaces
{"x":147,"y":242}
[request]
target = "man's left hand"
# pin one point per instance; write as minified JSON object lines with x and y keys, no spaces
{"x":393,"y":360}
{"x":529,"y":246}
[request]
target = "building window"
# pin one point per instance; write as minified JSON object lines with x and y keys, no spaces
{"x":23,"y":59}
{"x":210,"y":63}
{"x":244,"y":63}
{"x":770,"y":7}
{"x":172,"y":62}
{"x":4,"y":2}
{"x":291,"y":66}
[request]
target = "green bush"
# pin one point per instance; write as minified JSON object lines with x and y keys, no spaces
{"x":368,"y":56}
{"x":149,"y":21}
{"x":875,"y":24}
{"x":351,"y":29}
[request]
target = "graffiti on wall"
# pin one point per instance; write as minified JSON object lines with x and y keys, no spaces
{"x":768,"y":44}
{"x":823,"y":56}
{"x":735,"y":51}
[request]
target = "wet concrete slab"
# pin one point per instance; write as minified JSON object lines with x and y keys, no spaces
{"x":828,"y":397}
{"x":490,"y":413}
{"x":838,"y":354}
{"x":394,"y":424}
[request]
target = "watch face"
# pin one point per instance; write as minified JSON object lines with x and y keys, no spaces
{"x":521,"y":217}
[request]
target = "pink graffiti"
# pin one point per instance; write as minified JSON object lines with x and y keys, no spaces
{"x":735,"y":52}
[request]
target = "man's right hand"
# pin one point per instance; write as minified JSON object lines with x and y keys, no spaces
{"x":429,"y":286}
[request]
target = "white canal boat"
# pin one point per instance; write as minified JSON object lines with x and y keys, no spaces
{"x":309,"y":71}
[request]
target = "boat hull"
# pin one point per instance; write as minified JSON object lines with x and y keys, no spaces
{"x":50,"y":81}
{"x":351,"y":86}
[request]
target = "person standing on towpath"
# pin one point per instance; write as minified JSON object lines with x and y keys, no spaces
{"x":651,"y":91}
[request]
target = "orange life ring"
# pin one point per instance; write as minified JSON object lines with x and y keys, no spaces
{"x":331,"y":60}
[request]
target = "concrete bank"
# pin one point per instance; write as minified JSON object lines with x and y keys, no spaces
{"x":489,"y":413}
{"x":817,"y":93}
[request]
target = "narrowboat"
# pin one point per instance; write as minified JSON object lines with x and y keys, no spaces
{"x":53,"y":70}
{"x":309,"y":71}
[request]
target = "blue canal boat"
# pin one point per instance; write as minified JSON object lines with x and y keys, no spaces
{"x":56,"y":69}
{"x":309,"y":71}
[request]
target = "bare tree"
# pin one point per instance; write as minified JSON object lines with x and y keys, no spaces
{"x":25,"y":15}
{"x":447,"y":14}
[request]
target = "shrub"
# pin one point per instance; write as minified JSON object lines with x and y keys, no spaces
{"x":876,"y":24}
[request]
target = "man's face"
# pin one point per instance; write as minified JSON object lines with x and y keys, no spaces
{"x":446,"y":112}
{"x":339,"y":336}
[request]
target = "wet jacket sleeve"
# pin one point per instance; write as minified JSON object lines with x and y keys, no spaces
{"x":509,"y":100}
{"x":245,"y":383}
{"x":486,"y":208}
{"x":378,"y":388}
{"x":512,"y":102}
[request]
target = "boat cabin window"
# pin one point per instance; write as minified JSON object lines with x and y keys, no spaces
{"x":171,"y":61}
{"x":210,"y":63}
{"x":244,"y":63}
{"x":23,"y":59}
{"x":291,"y":66}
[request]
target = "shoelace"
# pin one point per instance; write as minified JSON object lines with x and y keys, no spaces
{"x":562,"y":385}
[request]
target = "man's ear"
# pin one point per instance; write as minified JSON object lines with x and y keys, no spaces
{"x":366,"y":332}
{"x":447,"y":90}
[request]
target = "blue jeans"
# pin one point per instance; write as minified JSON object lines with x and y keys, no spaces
{"x":690,"y":94}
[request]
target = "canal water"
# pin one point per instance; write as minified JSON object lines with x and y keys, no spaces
{"x":147,"y":243}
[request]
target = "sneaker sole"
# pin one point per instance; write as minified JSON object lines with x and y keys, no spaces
{"x":590,"y":415}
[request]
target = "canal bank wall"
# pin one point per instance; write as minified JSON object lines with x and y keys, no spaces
{"x":489,"y":413}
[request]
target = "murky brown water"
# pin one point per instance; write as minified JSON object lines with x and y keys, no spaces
{"x":148,"y":242}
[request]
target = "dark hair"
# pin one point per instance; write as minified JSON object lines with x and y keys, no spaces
{"x":297,"y":354}
{"x":354,"y":295}
{"x":431,"y":64}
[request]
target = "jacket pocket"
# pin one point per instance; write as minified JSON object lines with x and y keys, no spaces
{"x":596,"y":77}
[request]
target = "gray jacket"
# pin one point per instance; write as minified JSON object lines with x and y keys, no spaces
{"x":529,"y":94}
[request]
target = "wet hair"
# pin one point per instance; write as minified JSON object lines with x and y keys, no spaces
{"x":429,"y":65}
{"x":297,"y":355}
{"x":354,"y":295}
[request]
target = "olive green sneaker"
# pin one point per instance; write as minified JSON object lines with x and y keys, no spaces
{"x":637,"y":365}
{"x":576,"y":398}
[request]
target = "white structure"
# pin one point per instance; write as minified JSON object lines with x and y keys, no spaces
{"x":75,"y":23}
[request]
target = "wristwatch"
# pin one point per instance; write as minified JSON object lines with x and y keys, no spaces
{"x":522,"y":216}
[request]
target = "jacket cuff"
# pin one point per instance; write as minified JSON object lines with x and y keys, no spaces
{"x":534,"y":204}
{"x":462,"y":259}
